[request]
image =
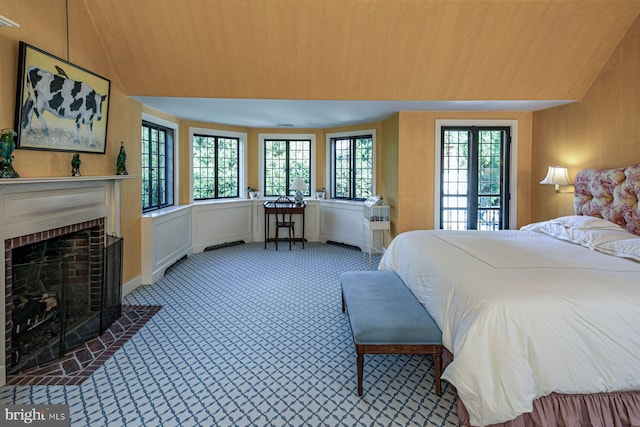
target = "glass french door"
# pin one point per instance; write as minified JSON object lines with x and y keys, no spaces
{"x":474,"y":192}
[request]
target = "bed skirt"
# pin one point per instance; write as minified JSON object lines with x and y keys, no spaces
{"x":619,"y":409}
{"x":568,"y":410}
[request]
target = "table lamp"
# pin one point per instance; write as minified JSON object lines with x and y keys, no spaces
{"x":557,"y":176}
{"x":298,"y":186}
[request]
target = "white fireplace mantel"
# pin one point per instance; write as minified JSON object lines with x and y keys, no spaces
{"x":32,"y":205}
{"x":29,"y":205}
{"x":65,"y":179}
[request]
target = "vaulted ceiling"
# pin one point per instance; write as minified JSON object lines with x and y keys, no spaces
{"x":401,"y":50}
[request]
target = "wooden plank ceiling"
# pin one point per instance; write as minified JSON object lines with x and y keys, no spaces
{"x":360,"y":49}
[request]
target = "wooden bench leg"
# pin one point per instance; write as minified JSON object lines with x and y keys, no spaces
{"x":438,"y":369}
{"x":360,"y":363}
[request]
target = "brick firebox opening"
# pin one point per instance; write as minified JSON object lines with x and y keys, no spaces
{"x":81,"y":246}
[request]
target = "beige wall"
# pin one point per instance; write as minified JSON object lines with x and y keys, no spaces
{"x":601,"y":131}
{"x":43,"y":25}
{"x":416,"y":153}
{"x":387,"y":180}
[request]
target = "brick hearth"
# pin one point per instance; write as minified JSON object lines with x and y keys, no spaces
{"x":78,"y":365}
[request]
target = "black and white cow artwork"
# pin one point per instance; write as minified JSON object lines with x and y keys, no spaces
{"x":62,"y":97}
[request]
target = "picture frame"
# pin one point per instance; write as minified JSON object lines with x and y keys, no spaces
{"x":59,"y":106}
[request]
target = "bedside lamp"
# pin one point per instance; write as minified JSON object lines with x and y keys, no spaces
{"x":298,"y":186}
{"x":557,"y":176}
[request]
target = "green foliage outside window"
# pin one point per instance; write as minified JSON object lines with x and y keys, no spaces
{"x":467,"y":185}
{"x":489,"y":168}
{"x":352,"y":167}
{"x":284,"y":161}
{"x":216,"y":167}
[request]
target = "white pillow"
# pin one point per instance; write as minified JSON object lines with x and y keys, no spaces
{"x":549,"y":228}
{"x":628,"y":248}
{"x":593,"y":238}
{"x":582,"y":230}
{"x":582,"y":222}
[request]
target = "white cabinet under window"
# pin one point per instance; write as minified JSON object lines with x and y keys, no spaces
{"x":341,"y":222}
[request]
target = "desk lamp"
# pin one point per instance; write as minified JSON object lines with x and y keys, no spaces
{"x":298,"y":186}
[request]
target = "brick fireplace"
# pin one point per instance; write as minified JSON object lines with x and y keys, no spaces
{"x":55,"y":269}
{"x":72,"y":214}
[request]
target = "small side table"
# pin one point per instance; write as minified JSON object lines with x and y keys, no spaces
{"x":372,"y":227}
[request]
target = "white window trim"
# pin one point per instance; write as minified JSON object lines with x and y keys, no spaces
{"x":242,"y":136}
{"x":329,"y":158}
{"x":176,"y":158}
{"x":513,"y":167}
{"x":264,"y":136}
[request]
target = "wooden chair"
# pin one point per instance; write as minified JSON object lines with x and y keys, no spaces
{"x":283,"y":219}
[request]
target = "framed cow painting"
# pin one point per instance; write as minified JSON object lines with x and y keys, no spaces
{"x":59,"y":106}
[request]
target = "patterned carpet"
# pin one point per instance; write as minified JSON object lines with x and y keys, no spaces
{"x":250,"y":337}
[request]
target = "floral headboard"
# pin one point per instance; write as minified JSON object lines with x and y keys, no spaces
{"x":611,"y":194}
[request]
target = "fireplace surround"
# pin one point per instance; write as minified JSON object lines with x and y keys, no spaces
{"x":30,"y":208}
{"x":62,"y":290}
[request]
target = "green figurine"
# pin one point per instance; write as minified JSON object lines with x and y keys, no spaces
{"x":7,"y":145}
{"x":75,"y":165}
{"x":121,"y":163}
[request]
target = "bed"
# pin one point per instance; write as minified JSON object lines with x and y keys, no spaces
{"x":542,"y":323}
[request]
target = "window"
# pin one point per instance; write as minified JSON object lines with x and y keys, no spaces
{"x":157,"y":166}
{"x":285,"y":159}
{"x":474,"y":178}
{"x":216,"y":166}
{"x":352,"y":165}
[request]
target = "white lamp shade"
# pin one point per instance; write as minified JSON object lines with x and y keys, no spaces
{"x":556,"y":175}
{"x":298,"y":184}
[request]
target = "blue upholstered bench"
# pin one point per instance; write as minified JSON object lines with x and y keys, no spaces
{"x":386,"y":318}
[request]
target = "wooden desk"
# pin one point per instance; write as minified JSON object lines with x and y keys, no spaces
{"x":270,"y":209}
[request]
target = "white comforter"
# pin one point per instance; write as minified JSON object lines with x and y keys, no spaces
{"x":524,"y":315}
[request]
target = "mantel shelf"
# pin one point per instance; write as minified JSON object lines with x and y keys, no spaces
{"x":69,"y":179}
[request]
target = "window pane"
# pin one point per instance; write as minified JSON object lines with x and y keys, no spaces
{"x":204,"y":167}
{"x":300,"y":164}
{"x":454,"y":219}
{"x":284,"y":161}
{"x":157,"y":167}
{"x":228,"y":167}
{"x":363,"y":167}
{"x":216,"y":167}
{"x":352,"y":167}
{"x":489,"y":179}
{"x":342,"y":162}
{"x":455,"y":171}
{"x":275,"y":168}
